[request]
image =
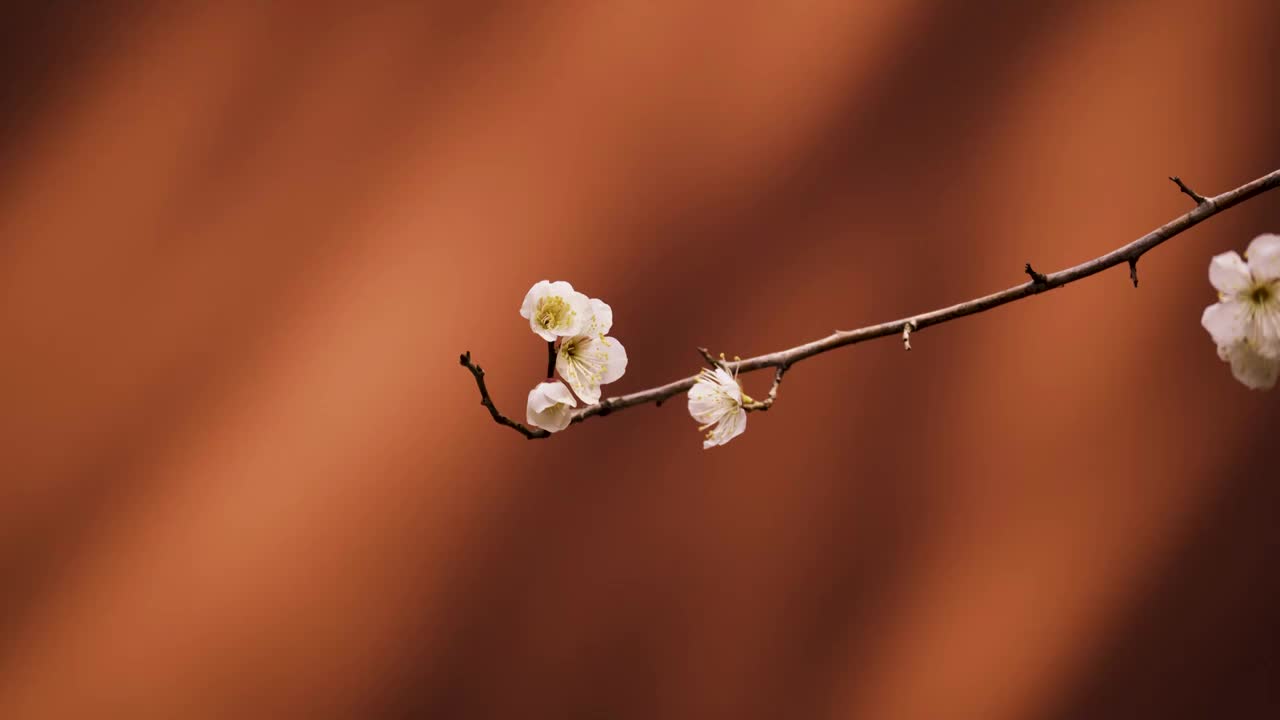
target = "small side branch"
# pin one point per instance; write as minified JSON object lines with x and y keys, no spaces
{"x":762,"y":405}
{"x":907,"y":327}
{"x":1037,"y":279}
{"x":1200,"y":199}
{"x":485,"y":400}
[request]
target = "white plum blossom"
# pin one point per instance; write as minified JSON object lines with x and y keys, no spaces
{"x":591,"y":359}
{"x":555,"y":309}
{"x":716,"y":399}
{"x":550,"y":406}
{"x":1245,"y":322}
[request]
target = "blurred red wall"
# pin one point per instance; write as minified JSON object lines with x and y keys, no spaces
{"x":242,"y":245}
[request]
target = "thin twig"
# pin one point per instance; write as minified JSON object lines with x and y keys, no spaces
{"x":1037,"y":279}
{"x":551,"y":360}
{"x":485,"y":400}
{"x":783,"y":359}
{"x":1200,"y":199}
{"x":762,"y":405}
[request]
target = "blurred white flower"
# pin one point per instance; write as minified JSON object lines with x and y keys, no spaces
{"x":1248,"y":306}
{"x":555,"y":309}
{"x":591,"y":359}
{"x":1245,"y":322}
{"x":550,"y":406}
{"x":716,"y":399}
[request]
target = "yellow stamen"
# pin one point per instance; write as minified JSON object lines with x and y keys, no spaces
{"x":553,"y":312}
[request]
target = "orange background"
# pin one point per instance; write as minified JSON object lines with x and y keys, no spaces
{"x":242,"y":245}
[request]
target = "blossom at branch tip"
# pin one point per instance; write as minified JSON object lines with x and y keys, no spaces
{"x":716,"y":399}
{"x":591,"y":359}
{"x":550,"y":406}
{"x":555,"y":309}
{"x":1245,"y":322}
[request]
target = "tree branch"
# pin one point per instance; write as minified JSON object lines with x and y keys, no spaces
{"x":485,"y":400}
{"x":784,"y":359}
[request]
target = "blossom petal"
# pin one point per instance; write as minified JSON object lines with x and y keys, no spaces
{"x":550,"y":393}
{"x":707,"y":405}
{"x":615,"y":362}
{"x":538,"y":290}
{"x":1229,"y":274}
{"x":1227,"y":322}
{"x":581,"y":362}
{"x":549,"y":406}
{"x":560,"y":287}
{"x":1264,"y":258}
{"x":1252,"y":369}
{"x":581,"y":305}
{"x":728,"y":383}
{"x":600,"y":318}
{"x":1263,"y":330}
{"x":553,"y":419}
{"x":558,"y":392}
{"x":579,"y":378}
{"x":733,"y":425}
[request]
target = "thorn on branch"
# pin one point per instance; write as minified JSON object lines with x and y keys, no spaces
{"x":1133,"y":271}
{"x":907,"y":327}
{"x":478,"y":373}
{"x":1200,"y":199}
{"x":1037,"y":279}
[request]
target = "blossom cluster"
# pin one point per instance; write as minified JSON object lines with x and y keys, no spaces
{"x":585,"y":356}
{"x":577,"y":329}
{"x":1245,"y":322}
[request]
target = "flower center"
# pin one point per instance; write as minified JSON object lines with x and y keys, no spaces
{"x":553,"y":312}
{"x":1260,"y":295}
